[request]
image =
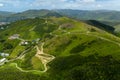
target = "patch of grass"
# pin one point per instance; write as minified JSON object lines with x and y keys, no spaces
{"x":37,"y":64}
{"x":18,"y":49}
{"x":26,"y":63}
{"x":77,"y":67}
{"x":10,"y":72}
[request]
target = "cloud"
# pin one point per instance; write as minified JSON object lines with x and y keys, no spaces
{"x":21,"y":5}
{"x":1,"y":4}
{"x":89,"y":1}
{"x":99,"y":6}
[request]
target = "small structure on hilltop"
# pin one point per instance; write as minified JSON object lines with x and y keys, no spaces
{"x":24,"y":43}
{"x":36,"y":41}
{"x":33,"y":42}
{"x":14,"y":36}
{"x":4,"y":54}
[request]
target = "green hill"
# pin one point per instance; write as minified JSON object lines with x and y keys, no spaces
{"x":101,"y":15}
{"x":59,"y":49}
{"x":101,"y":25}
{"x":30,"y":14}
{"x":115,"y":25}
{"x":5,"y":13}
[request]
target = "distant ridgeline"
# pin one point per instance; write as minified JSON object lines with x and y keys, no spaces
{"x":101,"y":15}
{"x":28,"y":14}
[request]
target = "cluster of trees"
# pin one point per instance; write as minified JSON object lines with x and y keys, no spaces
{"x":13,"y":74}
{"x":85,"y":68}
{"x":73,"y":67}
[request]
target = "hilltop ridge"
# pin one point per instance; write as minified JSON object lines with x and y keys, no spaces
{"x":70,"y":46}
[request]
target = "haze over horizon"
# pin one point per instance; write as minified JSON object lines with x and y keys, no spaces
{"x":22,"y":5}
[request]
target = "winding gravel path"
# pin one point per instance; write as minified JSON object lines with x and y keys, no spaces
{"x":45,"y":58}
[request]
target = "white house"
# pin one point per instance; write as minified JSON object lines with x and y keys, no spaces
{"x":3,"y":60}
{"x":4,"y":54}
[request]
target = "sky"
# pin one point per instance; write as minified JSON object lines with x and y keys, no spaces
{"x":22,"y":5}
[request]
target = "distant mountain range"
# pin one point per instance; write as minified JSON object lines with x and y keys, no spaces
{"x":101,"y":15}
{"x":5,"y":13}
{"x":28,"y":14}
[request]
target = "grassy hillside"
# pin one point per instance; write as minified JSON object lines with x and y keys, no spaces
{"x":101,"y":25}
{"x":80,"y":51}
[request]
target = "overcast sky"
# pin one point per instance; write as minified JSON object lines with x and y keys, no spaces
{"x":22,"y":5}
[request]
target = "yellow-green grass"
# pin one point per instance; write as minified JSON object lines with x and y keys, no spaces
{"x":37,"y":64}
{"x":17,"y":51}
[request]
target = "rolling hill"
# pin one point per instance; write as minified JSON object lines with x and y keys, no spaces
{"x":29,"y":14}
{"x":5,"y":13}
{"x":101,"y":15}
{"x":59,"y":49}
{"x":101,"y":25}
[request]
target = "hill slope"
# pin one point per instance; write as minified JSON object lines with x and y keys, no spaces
{"x":101,"y":25}
{"x":59,"y":49}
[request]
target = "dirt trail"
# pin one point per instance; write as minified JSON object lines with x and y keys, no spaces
{"x":45,"y":58}
{"x":97,"y":36}
{"x":19,"y":68}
